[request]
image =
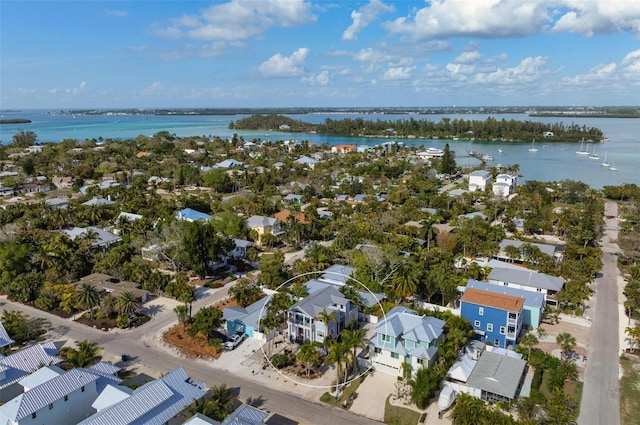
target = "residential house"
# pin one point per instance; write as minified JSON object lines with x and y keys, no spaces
{"x":108,"y":284}
{"x":156,"y":402}
{"x":263,"y":225}
{"x":303,"y":317}
{"x":247,"y":319}
{"x":504,"y":185}
{"x":101,"y":238}
{"x":243,"y":415}
{"x":496,"y":318}
{"x":306,"y":161}
{"x":229,"y":163}
{"x":5,"y":339}
{"x":497,"y":376}
{"x":20,"y":364}
{"x":403,"y":336}
{"x":57,"y":203}
{"x":288,"y":216}
{"x":6,"y":191}
{"x":528,"y":280}
{"x":534,"y":302}
{"x":293,"y":198}
{"x":62,"y":182}
{"x":98,"y":201}
{"x":59,"y":398}
{"x":192,"y":215}
{"x":240,"y":249}
{"x":478,"y":180}
{"x":504,"y":255}
{"x":343,"y":148}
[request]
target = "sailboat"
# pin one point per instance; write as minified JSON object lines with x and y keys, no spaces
{"x":594,"y":155}
{"x":605,"y":163}
{"x":582,"y":151}
{"x":612,"y":168}
{"x":533,"y":146}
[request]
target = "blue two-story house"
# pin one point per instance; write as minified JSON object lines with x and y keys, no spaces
{"x":497,"y":318}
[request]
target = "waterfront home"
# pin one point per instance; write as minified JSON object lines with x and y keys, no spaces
{"x":304,"y":318}
{"x":57,"y":397}
{"x":496,"y":318}
{"x":528,"y":280}
{"x":403,"y":336}
{"x":534,"y":302}
{"x":478,"y":180}
{"x":156,"y":402}
{"x":343,"y":148}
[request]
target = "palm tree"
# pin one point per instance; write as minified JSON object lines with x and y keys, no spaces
{"x":127,"y":303}
{"x":224,"y":401}
{"x":338,"y":355}
{"x":529,"y":340}
{"x":188,"y":296}
{"x":182,"y":311}
{"x":84,"y":355}
{"x":634,"y":334}
{"x":308,"y":355}
{"x":456,"y":338}
{"x":354,"y":339}
{"x":325,"y":317}
{"x":405,"y":282}
{"x":566,"y":342}
{"x":88,"y":297}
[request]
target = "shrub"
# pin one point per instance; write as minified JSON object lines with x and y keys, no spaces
{"x":281,"y":360}
{"x":536,"y":381}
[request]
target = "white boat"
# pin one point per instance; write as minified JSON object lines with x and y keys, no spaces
{"x":446,"y":398}
{"x":612,"y":168}
{"x":605,"y":163}
{"x":582,"y":151}
{"x":533,"y":146}
{"x":487,"y":157}
{"x":500,"y":150}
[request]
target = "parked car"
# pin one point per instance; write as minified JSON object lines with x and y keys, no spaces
{"x":233,"y":341}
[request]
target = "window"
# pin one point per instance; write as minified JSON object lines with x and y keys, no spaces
{"x":377,"y":350}
{"x":320,"y":334}
{"x":481,"y":311}
{"x":420,"y":360}
{"x":513,"y":316}
{"x":385,"y":338}
{"x":490,"y":327}
{"x":33,"y":415}
{"x":496,"y":342}
{"x":476,"y":323}
{"x":394,"y":355}
{"x":50,"y":406}
{"x":66,"y":398}
{"x":82,"y":389}
{"x":503,"y":330}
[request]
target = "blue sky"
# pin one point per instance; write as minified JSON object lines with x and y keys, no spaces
{"x":278,"y":53}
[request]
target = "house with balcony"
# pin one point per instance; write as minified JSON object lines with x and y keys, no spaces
{"x":532,"y":309}
{"x":403,"y":336}
{"x":496,"y":318}
{"x":303,"y":318}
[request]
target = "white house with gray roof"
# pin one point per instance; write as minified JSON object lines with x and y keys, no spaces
{"x":496,"y":377}
{"x":303,"y":323}
{"x":20,"y":364}
{"x":155,"y":403}
{"x":61,"y":398}
{"x":528,"y":280}
{"x":403,"y":336}
{"x":503,"y":255}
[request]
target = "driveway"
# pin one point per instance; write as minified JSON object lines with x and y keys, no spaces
{"x":372,"y":395}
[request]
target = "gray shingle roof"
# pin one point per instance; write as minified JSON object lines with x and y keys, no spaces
{"x":318,"y":301}
{"x":497,"y":374}
{"x":526,"y":277}
{"x":260,"y":221}
{"x":545,"y":248}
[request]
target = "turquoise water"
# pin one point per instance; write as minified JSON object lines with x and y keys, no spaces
{"x":552,"y":162}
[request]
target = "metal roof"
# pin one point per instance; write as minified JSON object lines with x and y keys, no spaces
{"x":4,"y":337}
{"x":26,"y":361}
{"x":545,"y":248}
{"x":526,"y":277}
{"x":497,"y":374}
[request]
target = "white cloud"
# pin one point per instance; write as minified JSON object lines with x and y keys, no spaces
{"x":116,"y":13}
{"x":321,"y":79}
{"x":482,"y":18}
{"x":467,"y":57}
{"x":595,"y":17}
{"x":370,"y":55}
{"x":76,"y":90}
{"x":152,"y":89}
{"x":285,"y":66}
{"x":610,"y":75}
{"x":238,"y":20}
{"x":528,"y":70}
{"x":460,"y":69}
{"x":394,"y":73}
{"x":365,"y":16}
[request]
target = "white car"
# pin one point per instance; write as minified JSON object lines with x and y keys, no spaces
{"x":234,"y":341}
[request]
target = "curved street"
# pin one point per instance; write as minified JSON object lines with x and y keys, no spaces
{"x":600,"y":397}
{"x":142,"y":345}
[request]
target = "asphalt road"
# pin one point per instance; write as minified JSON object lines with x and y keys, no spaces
{"x":141,"y":345}
{"x":601,"y":393}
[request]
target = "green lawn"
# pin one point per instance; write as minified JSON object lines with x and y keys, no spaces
{"x":630,"y":390}
{"x":394,"y":415}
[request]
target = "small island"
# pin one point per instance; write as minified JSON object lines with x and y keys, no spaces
{"x":489,"y":129}
{"x":15,"y":121}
